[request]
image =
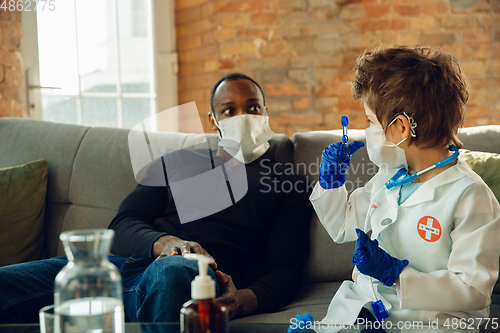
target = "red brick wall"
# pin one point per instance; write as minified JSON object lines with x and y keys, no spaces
{"x":302,"y":51}
{"x":11,"y":83}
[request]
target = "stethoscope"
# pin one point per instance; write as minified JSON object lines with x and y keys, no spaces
{"x":402,"y":177}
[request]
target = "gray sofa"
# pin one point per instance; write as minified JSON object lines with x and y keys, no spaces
{"x":90,"y":173}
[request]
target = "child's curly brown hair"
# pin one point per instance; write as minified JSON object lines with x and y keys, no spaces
{"x":428,"y":85}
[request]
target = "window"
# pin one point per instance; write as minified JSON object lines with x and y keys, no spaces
{"x":100,"y":53}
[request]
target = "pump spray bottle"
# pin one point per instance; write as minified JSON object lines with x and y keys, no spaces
{"x":203,"y":314}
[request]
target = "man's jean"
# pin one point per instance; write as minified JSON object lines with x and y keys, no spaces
{"x":153,"y":290}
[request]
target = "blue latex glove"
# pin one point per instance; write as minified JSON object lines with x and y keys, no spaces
{"x":305,"y":320}
{"x":333,"y":168}
{"x":372,"y":260}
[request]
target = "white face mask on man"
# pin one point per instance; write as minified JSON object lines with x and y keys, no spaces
{"x":251,"y":132}
{"x":383,"y":152}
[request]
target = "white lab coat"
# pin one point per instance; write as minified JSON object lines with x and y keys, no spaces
{"x":448,"y":229}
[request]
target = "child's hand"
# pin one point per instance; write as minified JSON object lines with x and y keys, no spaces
{"x":333,"y":168}
{"x":373,"y":261}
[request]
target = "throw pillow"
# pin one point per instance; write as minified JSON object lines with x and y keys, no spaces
{"x":22,"y":209}
{"x":485,"y":165}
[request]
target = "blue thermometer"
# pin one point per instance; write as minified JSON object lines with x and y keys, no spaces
{"x":345,"y":122}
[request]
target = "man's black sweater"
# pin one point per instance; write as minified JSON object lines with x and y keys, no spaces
{"x":261,"y":240}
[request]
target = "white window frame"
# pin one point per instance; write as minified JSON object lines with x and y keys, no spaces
{"x":163,"y":74}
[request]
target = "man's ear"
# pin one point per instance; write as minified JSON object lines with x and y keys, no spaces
{"x":265,"y":109}
{"x":211,"y":120}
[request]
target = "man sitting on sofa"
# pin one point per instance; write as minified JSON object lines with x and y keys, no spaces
{"x":259,"y":243}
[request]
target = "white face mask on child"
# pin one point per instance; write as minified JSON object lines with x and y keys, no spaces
{"x":385,"y":153}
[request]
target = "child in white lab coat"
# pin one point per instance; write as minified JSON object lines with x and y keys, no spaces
{"x":432,"y":256}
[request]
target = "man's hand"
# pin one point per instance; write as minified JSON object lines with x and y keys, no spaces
{"x":239,"y":303}
{"x":170,"y":246}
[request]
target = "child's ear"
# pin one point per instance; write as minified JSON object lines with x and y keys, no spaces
{"x":404,"y":126}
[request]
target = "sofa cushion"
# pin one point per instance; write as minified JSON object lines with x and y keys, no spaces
{"x":82,"y":217}
{"x":24,"y":140}
{"x":103,"y":175}
{"x":481,"y":138}
{"x":313,"y":298}
{"x":54,"y":217}
{"x":22,"y":210}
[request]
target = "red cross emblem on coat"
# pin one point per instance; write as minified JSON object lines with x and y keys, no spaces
{"x":429,"y":229}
